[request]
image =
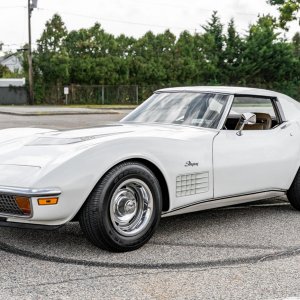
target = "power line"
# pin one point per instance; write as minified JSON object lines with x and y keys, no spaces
{"x":133,"y":23}
{"x":130,"y":22}
{"x":168,"y":5}
{"x":11,"y":45}
{"x":118,"y":21}
{"x":147,"y":3}
{"x":195,"y":8}
{"x":100,"y":19}
{"x":8,"y":7}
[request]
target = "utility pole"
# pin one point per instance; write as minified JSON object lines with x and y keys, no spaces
{"x":32,"y":4}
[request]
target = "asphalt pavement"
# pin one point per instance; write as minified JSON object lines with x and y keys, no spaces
{"x":243,"y":252}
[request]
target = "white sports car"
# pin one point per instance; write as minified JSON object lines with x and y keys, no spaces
{"x":183,"y":150}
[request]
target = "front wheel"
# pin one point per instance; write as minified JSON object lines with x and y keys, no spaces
{"x":293,"y":193}
{"x":124,"y":209}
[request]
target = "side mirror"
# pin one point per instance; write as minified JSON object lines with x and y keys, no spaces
{"x":246,"y":119}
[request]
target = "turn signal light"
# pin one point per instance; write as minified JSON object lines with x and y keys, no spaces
{"x":24,"y":205}
{"x":48,"y":201}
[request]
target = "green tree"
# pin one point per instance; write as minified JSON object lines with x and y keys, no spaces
{"x":288,"y":10}
{"x":189,"y":62}
{"x":213,"y":49}
{"x":267,"y":59}
{"x":233,"y":55}
{"x":51,"y":56}
{"x":92,"y":56}
{"x":164,"y":47}
{"x":3,"y":71}
{"x":296,"y":44}
{"x":296,"y":51}
{"x":152,"y":56}
{"x":124,"y":54}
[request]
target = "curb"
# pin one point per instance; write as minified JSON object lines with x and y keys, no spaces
{"x":41,"y":114}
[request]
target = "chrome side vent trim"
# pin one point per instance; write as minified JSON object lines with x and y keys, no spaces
{"x":192,"y":184}
{"x":223,"y":202}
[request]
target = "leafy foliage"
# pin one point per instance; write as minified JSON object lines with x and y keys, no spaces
{"x":216,"y":56}
{"x":52,"y":56}
{"x":4,"y":71}
{"x":288,"y":10}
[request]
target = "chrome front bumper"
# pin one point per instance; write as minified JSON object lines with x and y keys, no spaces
{"x":8,"y":199}
{"x":29,"y":192}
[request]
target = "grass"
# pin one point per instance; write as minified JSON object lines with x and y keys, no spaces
{"x":99,"y":106}
{"x":91,"y":106}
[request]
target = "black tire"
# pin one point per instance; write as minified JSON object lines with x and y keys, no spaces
{"x":293,"y":193}
{"x":98,"y":215}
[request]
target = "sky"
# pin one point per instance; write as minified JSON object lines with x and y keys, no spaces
{"x":131,"y":17}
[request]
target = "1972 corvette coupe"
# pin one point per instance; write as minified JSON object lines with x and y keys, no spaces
{"x":183,"y":150}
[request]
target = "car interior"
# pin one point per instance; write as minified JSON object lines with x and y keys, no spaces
{"x":264,"y":121}
{"x":266,"y":116}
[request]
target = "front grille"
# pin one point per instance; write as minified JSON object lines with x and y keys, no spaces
{"x":9,"y":206}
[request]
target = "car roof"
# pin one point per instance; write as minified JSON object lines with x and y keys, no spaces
{"x":221,"y":89}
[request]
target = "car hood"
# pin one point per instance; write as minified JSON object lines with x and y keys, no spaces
{"x":38,"y":147}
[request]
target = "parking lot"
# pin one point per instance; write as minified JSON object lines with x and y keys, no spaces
{"x":243,"y":252}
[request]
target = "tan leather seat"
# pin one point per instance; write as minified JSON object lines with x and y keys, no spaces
{"x":263,"y":122}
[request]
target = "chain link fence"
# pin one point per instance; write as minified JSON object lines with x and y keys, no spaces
{"x":98,"y":94}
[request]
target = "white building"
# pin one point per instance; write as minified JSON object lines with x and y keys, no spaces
{"x":12,"y":62}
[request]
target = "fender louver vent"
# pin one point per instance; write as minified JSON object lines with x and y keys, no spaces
{"x":192,"y":184}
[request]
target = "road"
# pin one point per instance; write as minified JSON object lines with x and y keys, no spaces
{"x":245,"y":252}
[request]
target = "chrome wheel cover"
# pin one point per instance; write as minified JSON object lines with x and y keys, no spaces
{"x":131,"y":207}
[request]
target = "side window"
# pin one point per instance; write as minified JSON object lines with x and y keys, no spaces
{"x":263,"y":108}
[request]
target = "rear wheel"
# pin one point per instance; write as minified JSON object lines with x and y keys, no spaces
{"x":293,"y":193}
{"x":124,"y":209}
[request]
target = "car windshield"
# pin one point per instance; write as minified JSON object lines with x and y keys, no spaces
{"x":193,"y":109}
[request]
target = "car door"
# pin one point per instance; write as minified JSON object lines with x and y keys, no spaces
{"x":256,"y":160}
